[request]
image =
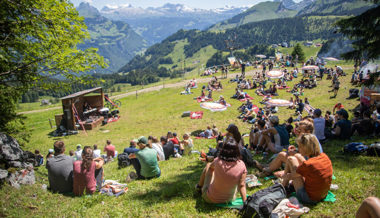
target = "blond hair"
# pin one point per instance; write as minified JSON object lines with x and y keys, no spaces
{"x":307,"y":124}
{"x":309,"y":144}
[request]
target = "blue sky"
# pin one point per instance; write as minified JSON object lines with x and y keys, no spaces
{"x":207,"y":4}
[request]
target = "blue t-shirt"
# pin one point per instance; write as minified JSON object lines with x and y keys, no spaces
{"x":131,"y":150}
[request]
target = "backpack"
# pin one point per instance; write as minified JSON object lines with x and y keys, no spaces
{"x":123,"y":160}
{"x":247,"y":157}
{"x":374,"y":150}
{"x":355,"y":148}
{"x":262,"y":203}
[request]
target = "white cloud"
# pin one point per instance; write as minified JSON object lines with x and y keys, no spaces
{"x":88,"y":1}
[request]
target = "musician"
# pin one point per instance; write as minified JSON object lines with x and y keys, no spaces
{"x":86,"y":107}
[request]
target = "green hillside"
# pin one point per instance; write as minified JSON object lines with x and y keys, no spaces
{"x":262,"y":32}
{"x":336,"y":7}
{"x":116,"y":40}
{"x":262,"y":11}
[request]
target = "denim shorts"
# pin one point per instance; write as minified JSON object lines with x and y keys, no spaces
{"x":303,"y":196}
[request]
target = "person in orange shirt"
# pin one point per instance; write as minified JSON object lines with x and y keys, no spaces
{"x":312,"y":175}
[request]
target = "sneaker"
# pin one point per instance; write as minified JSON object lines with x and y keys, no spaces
{"x":131,"y":176}
{"x":198,"y":189}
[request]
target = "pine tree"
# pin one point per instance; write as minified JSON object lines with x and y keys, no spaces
{"x":298,"y":51}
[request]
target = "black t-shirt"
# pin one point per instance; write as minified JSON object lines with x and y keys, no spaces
{"x":168,"y":149}
{"x":345,"y":128}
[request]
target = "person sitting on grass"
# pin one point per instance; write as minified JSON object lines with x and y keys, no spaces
{"x":85,"y":172}
{"x":157,"y":146}
{"x":304,"y":127}
{"x":110,"y":150}
{"x":342,"y":128}
{"x":311,"y":176}
{"x":186,"y":144}
{"x":60,"y":170}
{"x":220,"y":178}
{"x":148,"y":159}
{"x":279,"y":135}
{"x":208,"y":133}
{"x":168,"y":147}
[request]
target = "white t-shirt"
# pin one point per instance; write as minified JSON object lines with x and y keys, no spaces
{"x":96,"y":153}
{"x":78,"y":154}
{"x":160,"y":151}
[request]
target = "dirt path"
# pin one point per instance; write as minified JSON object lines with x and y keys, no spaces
{"x":150,"y":89}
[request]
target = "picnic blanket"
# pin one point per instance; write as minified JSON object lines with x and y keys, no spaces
{"x":113,"y":119}
{"x":196,"y":114}
{"x":212,"y":106}
{"x":309,"y":109}
{"x":330,"y":197}
{"x":237,"y":203}
{"x":113,"y":188}
{"x":199,"y":99}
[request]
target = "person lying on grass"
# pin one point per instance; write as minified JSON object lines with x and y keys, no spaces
{"x":84,"y":171}
{"x":220,"y":178}
{"x":310,"y":176}
{"x":148,"y":159}
{"x":304,"y":127}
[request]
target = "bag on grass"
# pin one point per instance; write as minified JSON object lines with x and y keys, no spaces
{"x":355,"y":148}
{"x":123,"y":160}
{"x":247,"y":157}
{"x":262,"y":203}
{"x":374,"y":150}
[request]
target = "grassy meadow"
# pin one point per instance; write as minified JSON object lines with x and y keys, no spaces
{"x":172,"y":195}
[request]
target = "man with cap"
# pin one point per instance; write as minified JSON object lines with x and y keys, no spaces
{"x":148,"y":159}
{"x":60,"y":170}
{"x":343,"y":126}
{"x":319,"y":125}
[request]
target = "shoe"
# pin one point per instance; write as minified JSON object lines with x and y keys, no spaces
{"x":131,"y":176}
{"x":198,"y":189}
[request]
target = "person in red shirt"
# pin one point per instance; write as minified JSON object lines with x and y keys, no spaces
{"x":110,"y":150}
{"x":312,"y":175}
{"x":337,"y":107}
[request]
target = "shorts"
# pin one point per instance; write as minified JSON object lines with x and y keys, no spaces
{"x":303,"y":196}
{"x":336,"y":88}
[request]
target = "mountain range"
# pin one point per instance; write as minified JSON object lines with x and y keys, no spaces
{"x":155,"y":24}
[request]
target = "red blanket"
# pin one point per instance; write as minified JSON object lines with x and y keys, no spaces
{"x":196,"y":114}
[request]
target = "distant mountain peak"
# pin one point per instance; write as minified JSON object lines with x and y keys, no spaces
{"x":87,"y":11}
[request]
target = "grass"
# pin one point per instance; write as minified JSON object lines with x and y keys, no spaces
{"x":172,"y":194}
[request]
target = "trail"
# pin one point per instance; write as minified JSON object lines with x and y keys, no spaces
{"x":151,"y":89}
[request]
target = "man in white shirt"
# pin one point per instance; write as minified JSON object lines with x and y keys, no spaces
{"x":96,"y":151}
{"x":78,"y":152}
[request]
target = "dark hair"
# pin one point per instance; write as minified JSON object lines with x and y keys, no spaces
{"x":95,"y":146}
{"x":163,"y":139}
{"x":71,"y":153}
{"x":328,"y":112}
{"x":59,"y":147}
{"x":261,"y":123}
{"x":290,"y":120}
{"x":233,"y":129}
{"x":37,"y":151}
{"x":87,"y":157}
{"x":366,"y":113}
{"x":108,"y":142}
{"x":230,"y":150}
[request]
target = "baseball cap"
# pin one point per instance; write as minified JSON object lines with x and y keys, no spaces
{"x":51,"y":150}
{"x":143,"y":140}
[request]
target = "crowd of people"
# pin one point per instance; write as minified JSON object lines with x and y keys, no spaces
{"x":304,"y":166}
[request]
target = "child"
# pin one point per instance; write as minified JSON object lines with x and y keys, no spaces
{"x":39,"y":159}
{"x":186,"y":144}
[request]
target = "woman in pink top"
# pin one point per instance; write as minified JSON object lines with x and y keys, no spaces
{"x":84,"y":172}
{"x":224,"y":175}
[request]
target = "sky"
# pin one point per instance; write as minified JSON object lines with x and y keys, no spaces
{"x":205,"y":4}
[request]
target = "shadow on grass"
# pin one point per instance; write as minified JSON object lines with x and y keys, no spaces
{"x":178,"y":186}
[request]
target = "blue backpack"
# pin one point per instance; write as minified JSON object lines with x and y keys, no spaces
{"x":355,"y":148}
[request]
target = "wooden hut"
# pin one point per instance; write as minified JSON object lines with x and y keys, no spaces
{"x":74,"y":112}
